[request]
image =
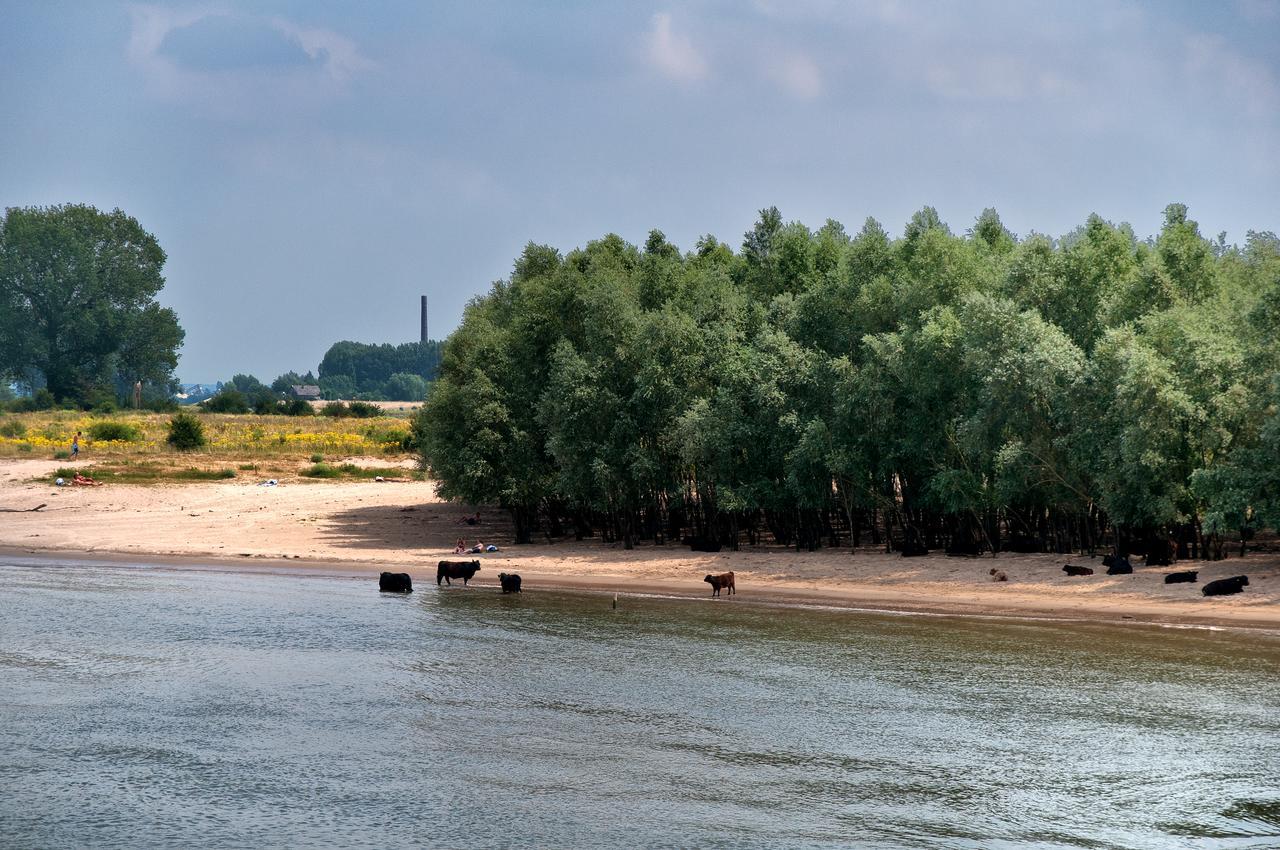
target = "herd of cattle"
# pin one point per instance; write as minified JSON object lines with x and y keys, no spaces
{"x":1118,"y":565}
{"x":447,"y":571}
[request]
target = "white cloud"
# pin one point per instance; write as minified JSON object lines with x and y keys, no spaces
{"x":341,"y":57}
{"x":798,"y":75}
{"x":671,"y":53}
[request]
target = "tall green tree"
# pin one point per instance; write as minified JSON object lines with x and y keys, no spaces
{"x":77,"y":290}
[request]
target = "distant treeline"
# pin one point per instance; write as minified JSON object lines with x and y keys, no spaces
{"x":349,"y":370}
{"x":971,"y":392}
{"x":384,"y":372}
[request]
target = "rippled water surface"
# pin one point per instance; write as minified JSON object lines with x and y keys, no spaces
{"x":143,"y":708}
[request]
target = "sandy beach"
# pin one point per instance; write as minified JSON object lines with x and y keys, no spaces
{"x":363,"y":527}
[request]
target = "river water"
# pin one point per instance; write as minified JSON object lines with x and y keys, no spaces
{"x":143,"y":707}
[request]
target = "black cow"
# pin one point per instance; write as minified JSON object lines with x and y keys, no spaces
{"x":1117,"y":565}
{"x":701,"y":544}
{"x":1184,"y":576}
{"x":724,"y":580}
{"x":1121,"y":561}
{"x":395,"y":583}
{"x":1225,"y":586}
{"x":510,"y":582}
{"x":1161,"y":552}
{"x":1077,"y":571}
{"x":449,"y":570}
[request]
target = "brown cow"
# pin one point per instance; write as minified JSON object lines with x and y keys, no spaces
{"x":998,"y":575}
{"x":1073,"y":570}
{"x":723,"y":580}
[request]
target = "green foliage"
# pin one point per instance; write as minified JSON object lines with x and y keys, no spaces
{"x":284,"y":384}
{"x":316,"y":458}
{"x":975,"y":381}
{"x":13,"y":428}
{"x":403,"y":386}
{"x":77,"y":289}
{"x":115,"y":431}
{"x":185,"y":432}
{"x":227,"y":400}
{"x":324,"y":470}
{"x":353,"y":369}
{"x":296,"y":407}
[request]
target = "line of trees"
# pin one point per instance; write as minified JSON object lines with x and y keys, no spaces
{"x":379,"y":372}
{"x":975,"y":392}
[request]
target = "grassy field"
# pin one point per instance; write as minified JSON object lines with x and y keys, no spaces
{"x":131,"y":447}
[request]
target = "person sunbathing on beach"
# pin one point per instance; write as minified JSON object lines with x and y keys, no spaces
{"x":476,"y":549}
{"x":461,"y":547}
{"x":85,"y":480}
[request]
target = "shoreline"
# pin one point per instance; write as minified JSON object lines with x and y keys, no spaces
{"x":359,"y":528}
{"x":768,"y":592}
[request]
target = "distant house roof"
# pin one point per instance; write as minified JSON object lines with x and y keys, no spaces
{"x":305,"y":391}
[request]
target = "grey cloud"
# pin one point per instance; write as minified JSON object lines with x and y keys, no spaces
{"x":225,"y":43}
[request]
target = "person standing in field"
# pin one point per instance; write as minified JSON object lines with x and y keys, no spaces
{"x":75,"y":446}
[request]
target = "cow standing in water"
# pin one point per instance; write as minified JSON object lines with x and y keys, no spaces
{"x":724,"y":580}
{"x":449,"y":570}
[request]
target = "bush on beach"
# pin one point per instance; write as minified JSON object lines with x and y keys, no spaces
{"x":185,"y":432}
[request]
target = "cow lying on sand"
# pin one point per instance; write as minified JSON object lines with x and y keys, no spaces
{"x":395,"y":583}
{"x":723,"y":580}
{"x":1117,"y":565}
{"x":998,"y":575}
{"x":701,"y":544}
{"x":449,"y":570}
{"x":510,"y":582}
{"x":1225,"y":586}
{"x":1072,"y":570}
{"x":1184,"y":576}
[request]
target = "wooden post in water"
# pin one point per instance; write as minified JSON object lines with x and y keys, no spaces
{"x":615,"y":602}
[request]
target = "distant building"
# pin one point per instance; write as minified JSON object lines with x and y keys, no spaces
{"x":309,"y":392}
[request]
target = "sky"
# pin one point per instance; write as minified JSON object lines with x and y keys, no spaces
{"x":312,"y":167}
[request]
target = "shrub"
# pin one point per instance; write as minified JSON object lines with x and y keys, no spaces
{"x":42,"y":400}
{"x":297,"y":407}
{"x":321,"y":470}
{"x":12,"y":428}
{"x":114,"y":431}
{"x":227,"y":401}
{"x":364,"y":410}
{"x":265,"y":405}
{"x":336,"y":409}
{"x":185,"y":432}
{"x":316,"y":458}
{"x":105,"y":407}
{"x":62,"y":454}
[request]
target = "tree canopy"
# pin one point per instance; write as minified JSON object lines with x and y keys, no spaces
{"x":77,"y":308}
{"x":970,"y":391}
{"x":366,"y":371}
